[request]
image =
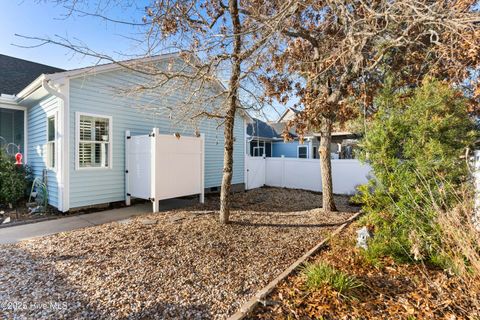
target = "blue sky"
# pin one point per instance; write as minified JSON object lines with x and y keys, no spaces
{"x":46,"y":19}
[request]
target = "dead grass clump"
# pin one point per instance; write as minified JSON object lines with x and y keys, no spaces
{"x":461,"y":242}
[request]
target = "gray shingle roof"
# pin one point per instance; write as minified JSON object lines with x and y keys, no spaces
{"x":16,"y":74}
{"x":262,"y":129}
{"x":267,"y":130}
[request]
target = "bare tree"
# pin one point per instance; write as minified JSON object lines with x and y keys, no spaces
{"x":335,"y":54}
{"x":213,"y":38}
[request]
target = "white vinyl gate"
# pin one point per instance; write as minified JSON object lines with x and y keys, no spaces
{"x":255,"y":175}
{"x":159,"y":167}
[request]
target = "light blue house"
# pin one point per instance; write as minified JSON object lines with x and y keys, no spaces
{"x":73,"y":125}
{"x":266,"y":139}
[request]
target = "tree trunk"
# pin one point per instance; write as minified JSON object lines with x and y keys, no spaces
{"x":225,"y":193}
{"x":232,"y":102}
{"x":324,"y":151}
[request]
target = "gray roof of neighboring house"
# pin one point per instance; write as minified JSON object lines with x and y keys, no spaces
{"x":274,"y":130}
{"x":267,"y":130}
{"x":16,"y":74}
{"x":262,"y":129}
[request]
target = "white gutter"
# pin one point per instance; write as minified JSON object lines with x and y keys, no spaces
{"x":37,"y":83}
{"x":51,"y":90}
{"x":8,"y":99}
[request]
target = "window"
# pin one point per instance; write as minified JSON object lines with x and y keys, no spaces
{"x":94,"y":141}
{"x":259,"y":148}
{"x":258,"y":151}
{"x":315,"y":153}
{"x":51,"y":137}
{"x":302,"y":152}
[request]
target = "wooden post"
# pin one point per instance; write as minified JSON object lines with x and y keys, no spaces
{"x":127,"y":167}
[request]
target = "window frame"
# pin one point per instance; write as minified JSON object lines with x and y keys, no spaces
{"x":77,"y":141}
{"x":258,"y":148}
{"x":47,"y":158}
{"x":306,"y":151}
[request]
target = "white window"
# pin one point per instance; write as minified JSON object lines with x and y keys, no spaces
{"x":94,"y":141}
{"x":51,"y":138}
{"x":302,"y":152}
{"x":258,"y":151}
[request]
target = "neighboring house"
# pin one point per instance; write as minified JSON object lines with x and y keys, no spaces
{"x":265,"y":139}
{"x":261,"y":137}
{"x":73,"y":125}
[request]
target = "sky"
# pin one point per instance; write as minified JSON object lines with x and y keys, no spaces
{"x":46,"y":19}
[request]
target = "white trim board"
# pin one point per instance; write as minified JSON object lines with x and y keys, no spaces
{"x":52,"y":113}
{"x":65,"y":123}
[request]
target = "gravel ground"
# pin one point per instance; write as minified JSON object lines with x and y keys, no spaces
{"x":176,"y":264}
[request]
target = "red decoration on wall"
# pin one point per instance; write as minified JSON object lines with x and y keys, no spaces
{"x":18,"y":158}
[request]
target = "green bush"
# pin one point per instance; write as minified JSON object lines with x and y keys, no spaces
{"x":318,"y":275}
{"x":415,"y":144}
{"x":14,"y":180}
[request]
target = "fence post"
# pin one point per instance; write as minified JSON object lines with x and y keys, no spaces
{"x":127,"y":167}
{"x":154,"y":170}
{"x":264,"y":172}
{"x":246,"y":172}
{"x":283,"y":172}
{"x":202,"y":169}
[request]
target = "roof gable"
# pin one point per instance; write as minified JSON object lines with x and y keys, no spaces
{"x":288,"y":115}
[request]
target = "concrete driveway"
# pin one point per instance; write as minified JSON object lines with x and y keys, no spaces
{"x":44,"y":228}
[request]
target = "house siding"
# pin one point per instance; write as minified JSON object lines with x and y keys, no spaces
{"x":98,"y":94}
{"x":287,"y":149}
{"x":37,"y":139}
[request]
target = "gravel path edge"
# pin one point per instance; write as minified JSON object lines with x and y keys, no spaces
{"x":248,"y":306}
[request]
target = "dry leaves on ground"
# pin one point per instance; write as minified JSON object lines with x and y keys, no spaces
{"x":176,"y":264}
{"x":391,"y":291}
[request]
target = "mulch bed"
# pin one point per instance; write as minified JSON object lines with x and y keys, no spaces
{"x":176,"y":264}
{"x":390,"y":291}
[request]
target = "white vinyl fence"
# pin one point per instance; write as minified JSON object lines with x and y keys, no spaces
{"x":304,"y":174}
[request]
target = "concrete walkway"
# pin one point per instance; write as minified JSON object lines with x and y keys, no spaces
{"x":44,"y":228}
